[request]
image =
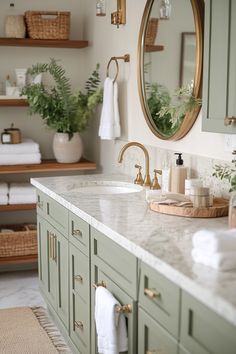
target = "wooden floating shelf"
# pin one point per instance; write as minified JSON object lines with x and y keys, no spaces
{"x":153,"y":48}
{"x":19,"y":259}
{"x":16,"y":102}
{"x":17,"y":207}
{"x":49,"y":43}
{"x":48,"y":166}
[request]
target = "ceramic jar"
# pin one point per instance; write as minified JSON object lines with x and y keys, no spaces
{"x":67,"y":150}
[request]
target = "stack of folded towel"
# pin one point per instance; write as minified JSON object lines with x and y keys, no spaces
{"x":216,"y":249}
{"x":22,"y":193}
{"x":26,"y":152}
{"x":3,"y":193}
{"x":110,"y":324}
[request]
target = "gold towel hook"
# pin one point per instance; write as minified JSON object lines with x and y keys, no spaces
{"x":126,"y":59}
{"x":117,"y":68}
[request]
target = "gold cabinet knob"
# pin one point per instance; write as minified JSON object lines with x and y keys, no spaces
{"x":102,"y":283}
{"x":229,"y":120}
{"x":152,"y":293}
{"x":124,"y":308}
{"x":78,"y":278}
{"x":77,"y":232}
{"x":40,"y":205}
{"x":79,"y":324}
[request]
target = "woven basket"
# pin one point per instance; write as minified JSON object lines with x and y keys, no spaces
{"x":151,"y":31}
{"x":48,"y":24}
{"x":21,"y":242}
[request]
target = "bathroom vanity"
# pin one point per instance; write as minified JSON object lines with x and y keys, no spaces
{"x":112,"y":238}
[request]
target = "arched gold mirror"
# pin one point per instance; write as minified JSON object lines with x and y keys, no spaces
{"x":170,"y":65}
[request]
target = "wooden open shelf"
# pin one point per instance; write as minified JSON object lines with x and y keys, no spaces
{"x":16,"y":102}
{"x":153,"y":48}
{"x":48,"y":43}
{"x":48,"y":166}
{"x":19,"y":259}
{"x":17,"y":207}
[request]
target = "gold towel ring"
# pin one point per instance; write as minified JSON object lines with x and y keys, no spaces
{"x":117,"y":68}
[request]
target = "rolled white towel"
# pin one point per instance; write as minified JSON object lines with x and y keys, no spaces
{"x":215,"y":241}
{"x":20,"y":159}
{"x":21,"y":188}
{"x":3,"y":188}
{"x":3,"y":199}
{"x":25,"y":147}
{"x":219,"y":261}
{"x":22,"y":199}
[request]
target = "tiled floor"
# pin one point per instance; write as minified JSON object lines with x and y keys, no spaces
{"x":20,"y":289}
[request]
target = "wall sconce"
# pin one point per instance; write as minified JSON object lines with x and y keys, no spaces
{"x":165,"y":10}
{"x":119,"y":17}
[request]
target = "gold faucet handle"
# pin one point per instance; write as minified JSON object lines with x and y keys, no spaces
{"x":139,"y":177}
{"x":155,"y":184}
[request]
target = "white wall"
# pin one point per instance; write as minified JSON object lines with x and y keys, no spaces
{"x":107,"y":41}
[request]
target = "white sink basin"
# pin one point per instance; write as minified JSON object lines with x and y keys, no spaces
{"x":106,"y":187}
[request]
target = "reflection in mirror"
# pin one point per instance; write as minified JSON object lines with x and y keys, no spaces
{"x":170,"y":65}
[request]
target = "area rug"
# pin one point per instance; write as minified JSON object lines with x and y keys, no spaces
{"x":25,"y":330}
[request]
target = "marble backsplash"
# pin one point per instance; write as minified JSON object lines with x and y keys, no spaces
{"x":199,"y":166}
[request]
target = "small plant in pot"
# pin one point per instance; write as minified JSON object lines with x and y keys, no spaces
{"x":61,"y":110}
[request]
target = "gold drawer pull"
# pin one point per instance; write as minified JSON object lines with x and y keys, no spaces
{"x":124,"y":308}
{"x":77,"y":233}
{"x":229,"y":120}
{"x":78,"y":278}
{"x":155,"y":352}
{"x":102,"y":283}
{"x":152,"y":293}
{"x":79,"y":324}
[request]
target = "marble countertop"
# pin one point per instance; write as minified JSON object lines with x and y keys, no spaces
{"x":161,"y":241}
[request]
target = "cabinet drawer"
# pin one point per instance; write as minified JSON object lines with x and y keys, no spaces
{"x":160,"y":298}
{"x":119,"y":263}
{"x":152,"y":338}
{"x":98,"y":276}
{"x":203,"y":331}
{"x":80,"y":282}
{"x":54,"y":212}
{"x":79,"y":233}
{"x":80,"y":324}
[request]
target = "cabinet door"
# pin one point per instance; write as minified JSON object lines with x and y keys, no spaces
{"x":152,"y":338}
{"x":63,"y":278}
{"x":100,"y":275}
{"x":42,"y":254}
{"x":219,"y":81}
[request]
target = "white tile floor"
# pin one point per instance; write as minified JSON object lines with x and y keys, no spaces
{"x":20,"y":289}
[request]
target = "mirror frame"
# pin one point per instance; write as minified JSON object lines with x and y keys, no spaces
{"x":190,"y":118}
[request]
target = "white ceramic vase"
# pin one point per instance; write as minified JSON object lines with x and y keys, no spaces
{"x":65,"y":150}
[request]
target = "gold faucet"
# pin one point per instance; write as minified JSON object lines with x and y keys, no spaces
{"x":147,"y":179}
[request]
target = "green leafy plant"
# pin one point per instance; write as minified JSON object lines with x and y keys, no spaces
{"x":227,"y":173}
{"x":60,"y":109}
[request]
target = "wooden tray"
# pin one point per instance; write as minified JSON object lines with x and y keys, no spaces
{"x":220,"y":208}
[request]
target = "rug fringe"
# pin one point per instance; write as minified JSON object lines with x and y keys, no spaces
{"x":51,"y":330}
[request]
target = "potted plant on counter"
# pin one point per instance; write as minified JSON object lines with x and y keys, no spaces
{"x":61,"y":110}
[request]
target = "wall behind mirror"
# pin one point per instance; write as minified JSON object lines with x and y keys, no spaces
{"x":170,"y":65}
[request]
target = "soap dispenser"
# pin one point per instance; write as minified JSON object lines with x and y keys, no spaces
{"x":178,"y":175}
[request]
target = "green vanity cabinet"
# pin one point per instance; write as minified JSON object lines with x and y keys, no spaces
{"x":153,"y":338}
{"x":219,"y":75}
{"x":203,"y":331}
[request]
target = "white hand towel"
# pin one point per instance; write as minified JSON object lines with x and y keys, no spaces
{"x":20,"y":159}
{"x":25,"y":147}
{"x":215,"y":241}
{"x":22,"y":199}
{"x":3,"y":188}
{"x":110,"y":325}
{"x":21,"y":188}
{"x":219,"y":261}
{"x":3,"y":199}
{"x":110,"y":120}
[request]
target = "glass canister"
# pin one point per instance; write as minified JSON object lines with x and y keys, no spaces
{"x":232,"y":211}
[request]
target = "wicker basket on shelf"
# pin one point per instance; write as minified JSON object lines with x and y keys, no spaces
{"x":151,"y":31}
{"x":48,"y":24}
{"x":18,"y":240}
